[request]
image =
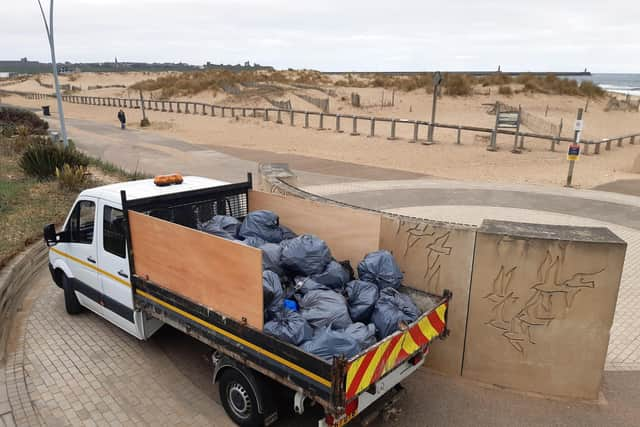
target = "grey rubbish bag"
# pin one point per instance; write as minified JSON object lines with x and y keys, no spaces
{"x":324,"y":307}
{"x":305,"y":284}
{"x":365,"y":335}
{"x":333,"y":276}
{"x":380,"y":268}
{"x":289,"y":326}
{"x":256,"y":242}
{"x":305,"y":255}
{"x":328,"y":343}
{"x":361,"y":297}
{"x":271,"y":253}
{"x":262,"y":224}
{"x":392,"y":308}
{"x":222,"y":226}
{"x":272,"y":294}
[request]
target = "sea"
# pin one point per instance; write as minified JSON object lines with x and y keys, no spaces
{"x":613,"y":82}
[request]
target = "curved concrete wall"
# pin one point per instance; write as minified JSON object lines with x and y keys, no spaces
{"x":14,"y":279}
{"x":532,"y":304}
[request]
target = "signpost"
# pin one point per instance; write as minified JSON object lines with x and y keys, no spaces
{"x":573,"y":153}
{"x":437,"y":79}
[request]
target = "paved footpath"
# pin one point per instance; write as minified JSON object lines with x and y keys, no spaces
{"x":80,"y":370}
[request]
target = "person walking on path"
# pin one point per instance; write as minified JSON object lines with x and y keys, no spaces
{"x":122,"y":118}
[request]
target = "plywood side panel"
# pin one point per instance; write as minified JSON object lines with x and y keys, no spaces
{"x":350,"y":233}
{"x":433,"y":257}
{"x":217,"y":273}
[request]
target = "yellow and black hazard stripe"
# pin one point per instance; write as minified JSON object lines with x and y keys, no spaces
{"x":370,"y":367}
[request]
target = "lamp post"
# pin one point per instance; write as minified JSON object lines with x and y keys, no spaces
{"x":437,"y":79}
{"x":49,"y":29}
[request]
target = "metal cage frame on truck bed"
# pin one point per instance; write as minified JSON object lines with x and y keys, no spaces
{"x":332,"y":385}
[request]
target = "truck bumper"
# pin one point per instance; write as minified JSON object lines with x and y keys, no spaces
{"x":53,"y":276}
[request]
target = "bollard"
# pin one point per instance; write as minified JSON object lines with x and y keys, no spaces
{"x":393,"y":130}
{"x":266,"y":114}
{"x":321,"y":122}
{"x":186,"y":108}
{"x":279,"y":120}
{"x":306,"y":119}
{"x":233,"y":112}
{"x":244,"y":112}
{"x":155,"y":105}
{"x":104,"y":102}
{"x":195,"y":108}
{"x":586,"y":148}
{"x":178,"y":107}
{"x":222,"y":109}
{"x":415,"y":132}
{"x":291,"y":118}
{"x":458,"y":136}
{"x":597,"y":149}
{"x":608,"y":146}
{"x":213,"y":111}
{"x":619,"y":142}
{"x":338,"y":123}
{"x":372,"y":131}
{"x":108,"y":102}
{"x":521,"y":142}
{"x":255,"y":112}
{"x":354,"y":131}
{"x":204,"y":109}
{"x":553,"y":145}
{"x":632,"y":141}
{"x":119,"y":102}
{"x":163,"y":107}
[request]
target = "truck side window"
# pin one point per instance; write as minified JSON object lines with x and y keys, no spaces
{"x":113,"y":232}
{"x":82,"y":222}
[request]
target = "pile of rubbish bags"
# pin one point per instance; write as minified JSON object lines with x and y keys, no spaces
{"x":314,"y":301}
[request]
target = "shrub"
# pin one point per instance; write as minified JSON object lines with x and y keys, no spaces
{"x":71,"y":177}
{"x":19,"y":117}
{"x":591,"y":89}
{"x":458,"y":85}
{"x":42,"y":159}
{"x":505,"y":90}
{"x":495,"y":79}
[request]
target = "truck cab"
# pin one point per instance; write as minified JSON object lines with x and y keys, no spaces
{"x":89,"y":260}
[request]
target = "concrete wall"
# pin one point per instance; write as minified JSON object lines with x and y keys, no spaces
{"x":435,"y":256}
{"x":14,"y":280}
{"x":541,"y":307}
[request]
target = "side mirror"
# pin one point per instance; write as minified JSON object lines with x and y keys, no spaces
{"x":50,"y":237}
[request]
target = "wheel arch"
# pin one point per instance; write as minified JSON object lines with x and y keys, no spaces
{"x":226,"y":364}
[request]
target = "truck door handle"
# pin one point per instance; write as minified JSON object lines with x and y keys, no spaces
{"x":123,"y":274}
{"x":91,"y":259}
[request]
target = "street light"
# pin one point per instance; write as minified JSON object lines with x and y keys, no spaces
{"x":49,"y":29}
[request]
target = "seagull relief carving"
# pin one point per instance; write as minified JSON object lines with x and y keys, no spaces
{"x":516,"y":318}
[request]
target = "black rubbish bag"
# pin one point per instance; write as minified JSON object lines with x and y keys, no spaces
{"x":305,"y":284}
{"x":391,"y":309}
{"x":253,"y":241}
{"x":271,"y":253}
{"x":328,"y":343}
{"x":305,"y":255}
{"x":361,"y":297}
{"x":287,"y":233}
{"x":333,"y":276}
{"x":380,"y":268}
{"x":324,"y":307}
{"x":289,"y":326}
{"x":221,"y":226}
{"x":272,"y":294}
{"x":262,"y":224}
{"x":365,"y":335}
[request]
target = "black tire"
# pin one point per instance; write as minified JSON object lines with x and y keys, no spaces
{"x":239,"y":400}
{"x":71,"y":302}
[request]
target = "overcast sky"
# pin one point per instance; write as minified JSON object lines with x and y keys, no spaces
{"x":330,"y":35}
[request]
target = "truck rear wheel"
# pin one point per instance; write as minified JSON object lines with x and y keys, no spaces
{"x":239,"y":400}
{"x":71,"y":302}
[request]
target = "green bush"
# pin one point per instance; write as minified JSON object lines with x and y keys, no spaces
{"x":40,"y":160}
{"x":591,"y":89}
{"x":19,"y":117}
{"x":458,"y":85}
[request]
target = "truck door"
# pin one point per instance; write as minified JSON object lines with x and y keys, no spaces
{"x":80,"y":251}
{"x":114,"y":268}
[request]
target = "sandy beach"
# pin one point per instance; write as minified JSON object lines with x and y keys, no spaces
{"x":468,"y":161}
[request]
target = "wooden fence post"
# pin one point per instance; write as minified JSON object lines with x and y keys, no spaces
{"x":186,"y":108}
{"x":607,"y":147}
{"x":291,"y":118}
{"x":458,"y":136}
{"x":493,"y":145}
{"x":279,"y":119}
{"x":415,"y":132}
{"x":619,"y":142}
{"x":372,"y":131}
{"x":597,"y":149}
{"x":306,"y":119}
{"x":392,"y":137}
{"x":338,"y":123}
{"x":266,"y":114}
{"x":321,"y":122}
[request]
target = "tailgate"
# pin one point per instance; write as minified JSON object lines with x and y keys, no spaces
{"x":379,"y":360}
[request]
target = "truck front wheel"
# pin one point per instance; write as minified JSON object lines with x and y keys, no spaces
{"x":239,"y":399}
{"x":71,"y":302}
